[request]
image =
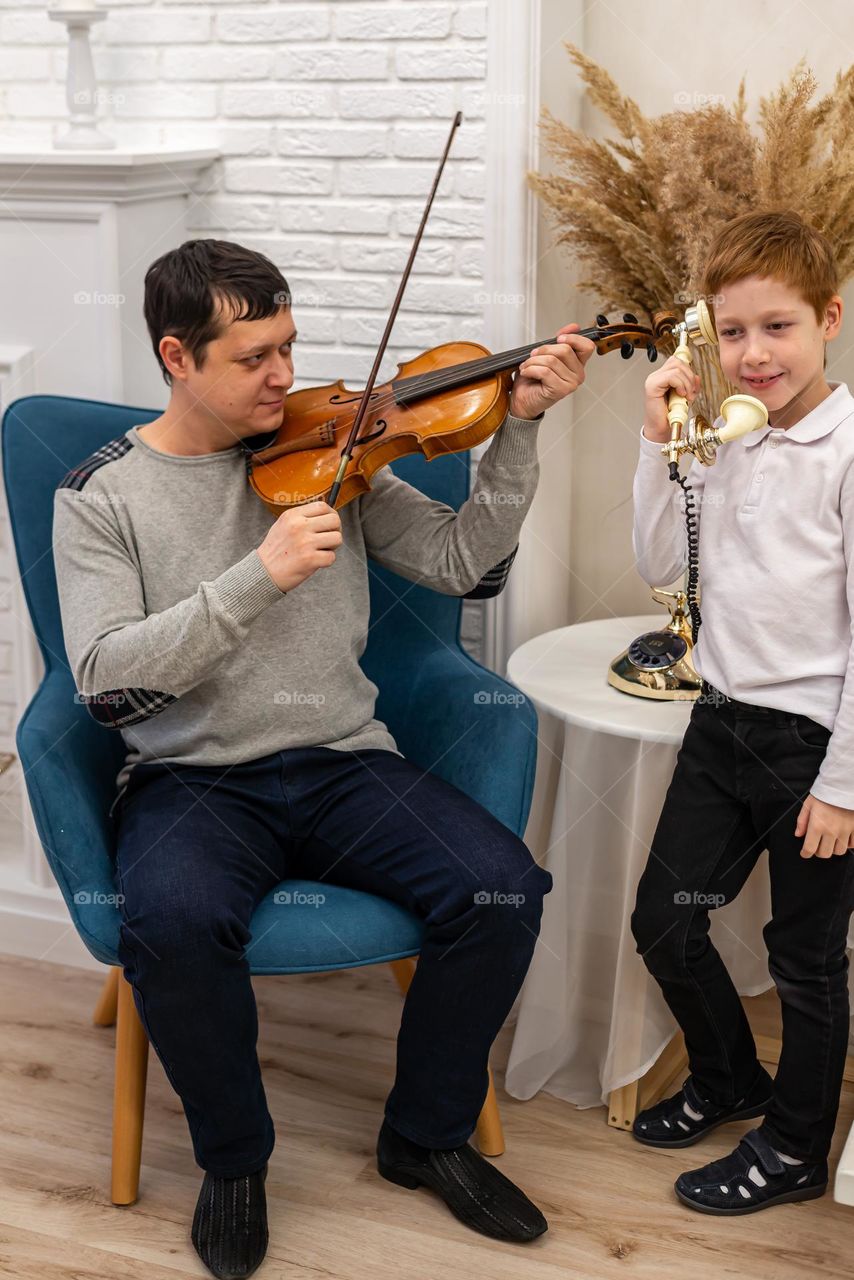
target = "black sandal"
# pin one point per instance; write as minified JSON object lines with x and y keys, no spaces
{"x":668,"y":1125}
{"x":724,"y":1186}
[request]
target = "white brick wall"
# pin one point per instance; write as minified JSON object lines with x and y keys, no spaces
{"x":332,"y":118}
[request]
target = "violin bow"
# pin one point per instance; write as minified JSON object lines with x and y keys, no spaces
{"x":346,"y":456}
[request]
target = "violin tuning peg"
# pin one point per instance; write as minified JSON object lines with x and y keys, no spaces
{"x":628,"y":318}
{"x":626,"y":350}
{"x":652,"y":353}
{"x":602,"y":321}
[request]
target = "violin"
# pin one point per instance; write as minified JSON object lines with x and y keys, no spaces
{"x":453,"y":397}
{"x":448,"y":399}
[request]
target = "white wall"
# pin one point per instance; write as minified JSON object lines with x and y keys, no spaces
{"x":332,"y":118}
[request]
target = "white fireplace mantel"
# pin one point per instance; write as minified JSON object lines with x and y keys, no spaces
{"x":77,"y":232}
{"x":121,"y":176}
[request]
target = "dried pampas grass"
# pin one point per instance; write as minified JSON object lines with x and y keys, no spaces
{"x":640,"y":210}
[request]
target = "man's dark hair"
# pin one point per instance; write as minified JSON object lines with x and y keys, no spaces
{"x":184,"y":287}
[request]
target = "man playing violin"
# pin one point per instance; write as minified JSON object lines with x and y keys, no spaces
{"x":222,"y":641}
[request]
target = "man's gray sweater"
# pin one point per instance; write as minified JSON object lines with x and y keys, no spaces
{"x":176,"y":634}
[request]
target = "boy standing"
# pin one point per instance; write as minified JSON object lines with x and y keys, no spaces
{"x":766,"y":761}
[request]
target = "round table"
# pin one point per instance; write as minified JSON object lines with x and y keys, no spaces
{"x":589,"y":1018}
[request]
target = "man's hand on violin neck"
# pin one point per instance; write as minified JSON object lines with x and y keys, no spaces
{"x":550,"y":373}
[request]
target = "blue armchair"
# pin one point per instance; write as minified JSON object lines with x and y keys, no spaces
{"x":427,"y":686}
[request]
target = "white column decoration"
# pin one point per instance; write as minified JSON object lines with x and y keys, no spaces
{"x":81,"y":95}
{"x":512,"y":109}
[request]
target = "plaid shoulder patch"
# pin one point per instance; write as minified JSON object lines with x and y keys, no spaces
{"x":493,"y":582}
{"x":118,"y":708}
{"x":76,"y":478}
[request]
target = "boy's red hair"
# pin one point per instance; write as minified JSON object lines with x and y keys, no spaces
{"x":774,"y":243}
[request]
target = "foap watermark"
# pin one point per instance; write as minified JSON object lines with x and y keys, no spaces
{"x":98,"y":97}
{"x":93,"y":298}
{"x":487,"y":499}
{"x":298,"y":898}
{"x":495,"y":897}
{"x":287,"y":498}
{"x":301,"y":298}
{"x":112,"y":698}
{"x":498,"y":697}
{"x":83,"y":897}
{"x":106,"y":499}
{"x":693,"y":98}
{"x":493,"y":98}
{"x":496,"y":299}
{"x":298,"y":698}
{"x":709,"y":697}
{"x":684,"y":899}
{"x":688,"y":299}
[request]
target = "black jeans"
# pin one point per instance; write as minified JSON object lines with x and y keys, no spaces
{"x":199,"y":847}
{"x":742,"y":774}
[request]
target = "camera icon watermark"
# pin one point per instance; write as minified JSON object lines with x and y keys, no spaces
{"x":486,"y":299}
{"x":484,"y":498}
{"x":94,"y":298}
{"x":490,"y":897}
{"x":298,"y":898}
{"x":688,"y":299}
{"x":684,"y":899}
{"x":298,"y":698}
{"x":709,"y":697}
{"x":110,"y":699}
{"x":692,"y":98}
{"x":498,"y":697}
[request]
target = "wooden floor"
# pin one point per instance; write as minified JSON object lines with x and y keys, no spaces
{"x":609,"y":1201}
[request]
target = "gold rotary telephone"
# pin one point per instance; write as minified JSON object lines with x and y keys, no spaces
{"x":658,"y":664}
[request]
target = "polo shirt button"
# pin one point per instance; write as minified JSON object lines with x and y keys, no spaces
{"x":760,"y":477}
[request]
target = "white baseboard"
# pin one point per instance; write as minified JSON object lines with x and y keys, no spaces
{"x":843,"y":1186}
{"x":35,"y":924}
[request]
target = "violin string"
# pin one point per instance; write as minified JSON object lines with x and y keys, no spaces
{"x":489,"y":364}
{"x":426,"y":382}
{"x":434,"y":381}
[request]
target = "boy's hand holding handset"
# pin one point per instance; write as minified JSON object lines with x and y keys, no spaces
{"x":675,"y":375}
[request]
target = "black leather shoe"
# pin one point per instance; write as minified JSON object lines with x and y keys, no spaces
{"x":229,"y":1230}
{"x":471,"y":1187}
{"x":668,"y":1125}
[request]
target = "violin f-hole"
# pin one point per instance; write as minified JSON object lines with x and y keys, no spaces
{"x":381,"y":426}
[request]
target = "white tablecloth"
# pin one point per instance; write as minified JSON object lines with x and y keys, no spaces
{"x":589,"y":1018}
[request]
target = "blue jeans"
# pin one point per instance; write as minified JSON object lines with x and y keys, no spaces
{"x":199,"y":847}
{"x":742,"y":774}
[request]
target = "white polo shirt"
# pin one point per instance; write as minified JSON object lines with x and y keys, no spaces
{"x":776,"y":520}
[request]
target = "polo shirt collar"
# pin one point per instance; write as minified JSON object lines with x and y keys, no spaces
{"x":834,"y":409}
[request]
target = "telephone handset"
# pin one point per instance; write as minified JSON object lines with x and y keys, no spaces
{"x":658,"y":663}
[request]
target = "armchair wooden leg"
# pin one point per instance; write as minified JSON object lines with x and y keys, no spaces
{"x":489,"y":1131}
{"x":129,"y":1097}
{"x":105,"y":1009}
{"x":490,"y":1134}
{"x":404,"y":971}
